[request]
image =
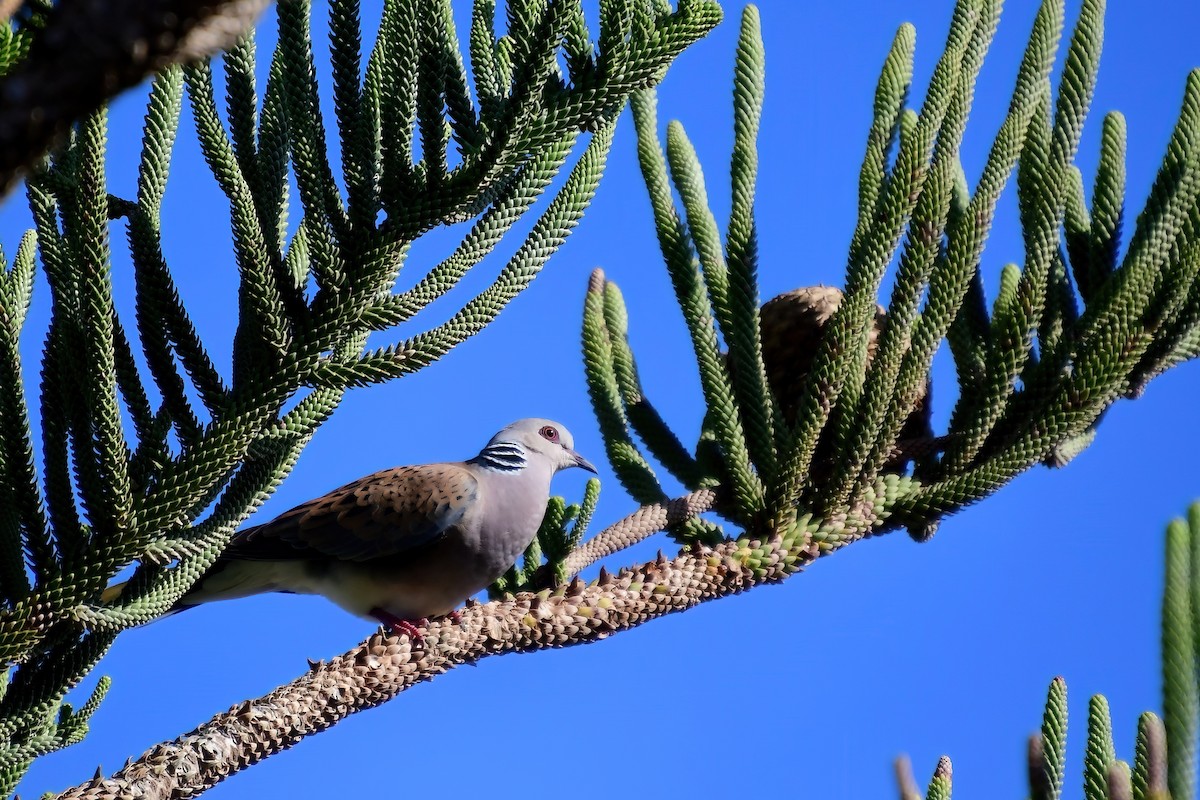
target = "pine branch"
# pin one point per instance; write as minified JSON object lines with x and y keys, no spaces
{"x":803,"y":475}
{"x":638,"y":526}
{"x":1100,"y":755}
{"x":384,"y":666}
{"x":1054,"y":739}
{"x":743,"y":335}
{"x":839,"y":364}
{"x":1180,"y":706}
{"x":117,"y":498}
{"x":942,"y":782}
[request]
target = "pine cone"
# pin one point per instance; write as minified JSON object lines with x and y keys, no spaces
{"x":791,"y":326}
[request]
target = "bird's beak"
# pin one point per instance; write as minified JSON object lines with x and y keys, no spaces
{"x":580,"y":461}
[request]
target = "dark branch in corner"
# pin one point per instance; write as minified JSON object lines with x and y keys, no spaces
{"x":89,"y":52}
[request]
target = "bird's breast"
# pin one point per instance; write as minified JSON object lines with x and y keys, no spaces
{"x":512,"y":512}
{"x":470,"y":556}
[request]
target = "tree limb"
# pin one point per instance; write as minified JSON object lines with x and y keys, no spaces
{"x":89,"y":52}
{"x":638,"y":526}
{"x":384,"y":665}
{"x":625,"y":533}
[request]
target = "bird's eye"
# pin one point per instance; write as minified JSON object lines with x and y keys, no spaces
{"x":549,"y":433}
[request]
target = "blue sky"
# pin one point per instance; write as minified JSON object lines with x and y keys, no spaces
{"x":815,"y":685}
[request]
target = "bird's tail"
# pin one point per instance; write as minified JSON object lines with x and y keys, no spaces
{"x":113,"y":593}
{"x":229,"y":579}
{"x":110,"y":595}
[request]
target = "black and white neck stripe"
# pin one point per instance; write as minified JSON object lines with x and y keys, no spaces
{"x":502,"y":457}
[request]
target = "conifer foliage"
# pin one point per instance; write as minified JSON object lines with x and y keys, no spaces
{"x":813,"y":454}
{"x":153,"y":454}
{"x":799,"y":459}
{"x":1164,"y":751}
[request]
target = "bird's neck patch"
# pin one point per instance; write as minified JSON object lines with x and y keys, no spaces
{"x":502,"y":457}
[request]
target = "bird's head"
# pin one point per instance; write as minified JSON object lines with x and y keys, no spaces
{"x":542,"y":437}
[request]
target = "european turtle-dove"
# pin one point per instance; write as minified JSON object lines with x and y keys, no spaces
{"x":405,"y":543}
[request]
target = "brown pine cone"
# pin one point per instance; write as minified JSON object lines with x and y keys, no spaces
{"x":791,"y":326}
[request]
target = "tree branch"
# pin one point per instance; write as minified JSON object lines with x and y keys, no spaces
{"x":638,"y":526}
{"x":384,"y":665}
{"x":89,"y":52}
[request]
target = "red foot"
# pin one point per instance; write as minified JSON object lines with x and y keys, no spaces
{"x":456,"y":616}
{"x":398,"y":625}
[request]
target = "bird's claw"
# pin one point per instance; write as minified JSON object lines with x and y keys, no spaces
{"x":398,"y":625}
{"x":413,"y":629}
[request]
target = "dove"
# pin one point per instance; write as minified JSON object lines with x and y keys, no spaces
{"x":403,"y":544}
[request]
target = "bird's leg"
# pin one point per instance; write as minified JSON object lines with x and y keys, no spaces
{"x":398,"y":625}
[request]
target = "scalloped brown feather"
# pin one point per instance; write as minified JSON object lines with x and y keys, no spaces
{"x":383,"y":514}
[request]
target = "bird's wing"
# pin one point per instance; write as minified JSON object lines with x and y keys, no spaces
{"x":384,"y":514}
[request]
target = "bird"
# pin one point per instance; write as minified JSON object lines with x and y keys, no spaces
{"x":404,"y":544}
